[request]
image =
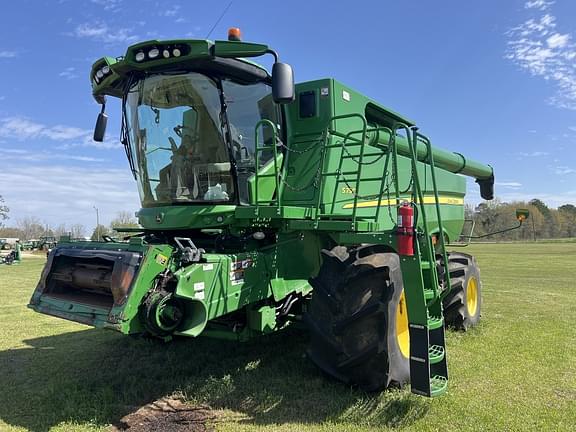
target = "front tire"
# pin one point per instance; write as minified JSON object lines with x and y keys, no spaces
{"x":462,"y":306}
{"x":358,"y":320}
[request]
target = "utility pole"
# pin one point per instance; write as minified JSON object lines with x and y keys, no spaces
{"x":97,"y":224}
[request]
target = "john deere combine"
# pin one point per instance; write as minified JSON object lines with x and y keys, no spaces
{"x":266,"y":203}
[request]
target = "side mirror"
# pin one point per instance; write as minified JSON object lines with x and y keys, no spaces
{"x":282,"y":83}
{"x":522,"y":214}
{"x":100,"y":128}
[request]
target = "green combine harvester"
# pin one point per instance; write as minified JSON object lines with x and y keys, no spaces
{"x":266,"y":203}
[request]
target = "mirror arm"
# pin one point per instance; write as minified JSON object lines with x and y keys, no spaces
{"x":274,"y":53}
{"x":520,"y":221}
{"x":100,"y":99}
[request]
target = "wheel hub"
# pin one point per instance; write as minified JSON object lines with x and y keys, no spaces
{"x":402,"y":332}
{"x":472,"y":296}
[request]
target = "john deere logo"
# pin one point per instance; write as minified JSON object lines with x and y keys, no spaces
{"x":159,"y":217}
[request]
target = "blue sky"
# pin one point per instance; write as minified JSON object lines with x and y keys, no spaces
{"x":495,"y":80}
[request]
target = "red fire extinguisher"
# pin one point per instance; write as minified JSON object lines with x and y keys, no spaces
{"x":405,"y":229}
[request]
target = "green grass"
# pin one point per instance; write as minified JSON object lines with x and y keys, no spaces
{"x":515,"y":372}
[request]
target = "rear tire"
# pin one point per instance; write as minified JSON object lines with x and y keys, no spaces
{"x":357,"y":319}
{"x":462,"y":306}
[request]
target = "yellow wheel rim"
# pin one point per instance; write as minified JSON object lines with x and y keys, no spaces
{"x":402,"y":332}
{"x":472,"y":296}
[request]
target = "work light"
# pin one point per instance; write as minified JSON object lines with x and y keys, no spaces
{"x":153,"y":53}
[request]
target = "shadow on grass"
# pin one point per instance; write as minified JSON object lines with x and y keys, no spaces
{"x":95,"y":377}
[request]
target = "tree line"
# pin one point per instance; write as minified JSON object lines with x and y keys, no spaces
{"x":31,"y":227}
{"x":543,"y":222}
{"x":487,"y":217}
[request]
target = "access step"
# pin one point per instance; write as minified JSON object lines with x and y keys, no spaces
{"x":436,"y":353}
{"x":435,"y":322}
{"x":438,"y":385}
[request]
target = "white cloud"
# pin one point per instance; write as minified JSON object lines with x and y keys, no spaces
{"x":17,"y":155}
{"x":173,"y":11}
{"x":8,"y":54}
{"x":553,"y":200}
{"x":538,"y":4}
{"x":101,"y":32}
{"x":107,"y":144}
{"x":507,"y":193}
{"x":68,"y":73}
{"x":109,"y":5}
{"x":21,"y":128}
{"x":13,"y":151}
{"x":564,"y":170}
{"x":64,"y":194}
{"x":534,"y":154}
{"x":509,"y":185}
{"x":537,"y":47}
{"x":558,"y":40}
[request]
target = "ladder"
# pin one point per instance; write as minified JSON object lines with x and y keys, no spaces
{"x":428,"y":367}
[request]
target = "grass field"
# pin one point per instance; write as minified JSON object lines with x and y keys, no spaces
{"x":515,"y":372}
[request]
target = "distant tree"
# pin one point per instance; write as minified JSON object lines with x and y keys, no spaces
{"x":77,"y":231}
{"x":568,"y":208}
{"x":567,"y":220}
{"x":31,"y":227}
{"x":543,"y":223}
{"x":468,"y":211}
{"x":487,"y":216}
{"x":99,"y":231}
{"x":60,"y":231}
{"x":4,"y":210}
{"x":123,"y":219}
{"x":542,"y":208}
{"x":11,"y":232}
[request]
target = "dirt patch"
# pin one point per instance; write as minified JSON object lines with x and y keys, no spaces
{"x":167,"y":415}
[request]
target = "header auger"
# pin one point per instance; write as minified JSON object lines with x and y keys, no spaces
{"x":266,"y":204}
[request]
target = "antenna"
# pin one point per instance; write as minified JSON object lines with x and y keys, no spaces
{"x":218,"y":20}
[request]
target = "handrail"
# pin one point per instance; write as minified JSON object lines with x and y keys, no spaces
{"x":428,"y":144}
{"x":418,"y":197}
{"x":359,"y":160}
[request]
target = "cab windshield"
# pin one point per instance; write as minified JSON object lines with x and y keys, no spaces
{"x":191,"y":137}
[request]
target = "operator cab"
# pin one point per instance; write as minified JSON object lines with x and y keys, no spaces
{"x":191,"y":136}
{"x":190,"y":117}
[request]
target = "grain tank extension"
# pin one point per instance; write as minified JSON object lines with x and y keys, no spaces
{"x":266,"y":204}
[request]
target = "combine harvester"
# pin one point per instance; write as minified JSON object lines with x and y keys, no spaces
{"x":265,"y":204}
